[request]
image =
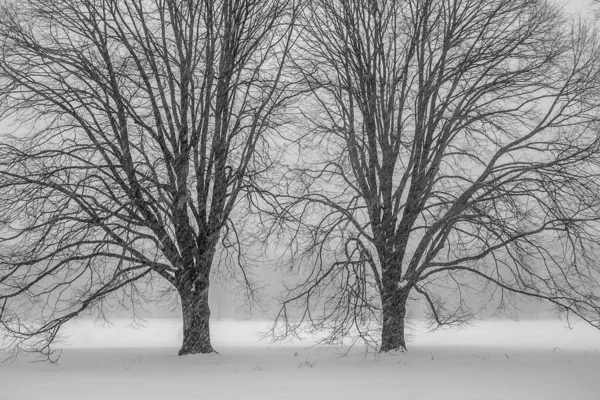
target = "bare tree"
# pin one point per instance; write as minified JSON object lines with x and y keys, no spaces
{"x":142,"y":125}
{"x":448,"y":150}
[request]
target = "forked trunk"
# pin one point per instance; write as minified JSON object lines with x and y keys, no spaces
{"x":196,"y":317}
{"x":394,"y":311}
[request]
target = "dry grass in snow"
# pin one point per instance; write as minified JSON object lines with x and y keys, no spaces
{"x":488,"y":360}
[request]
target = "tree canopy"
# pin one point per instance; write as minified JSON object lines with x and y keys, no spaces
{"x":448,"y":152}
{"x":142,"y":125}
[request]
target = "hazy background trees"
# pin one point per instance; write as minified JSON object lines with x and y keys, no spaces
{"x":140,"y":125}
{"x":448,"y":152}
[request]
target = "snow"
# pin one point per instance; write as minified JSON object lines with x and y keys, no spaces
{"x":493,"y":359}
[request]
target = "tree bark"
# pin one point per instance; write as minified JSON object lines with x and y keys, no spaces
{"x":394,"y":311}
{"x":196,"y":317}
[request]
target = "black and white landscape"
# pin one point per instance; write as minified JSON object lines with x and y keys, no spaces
{"x":299,"y":199}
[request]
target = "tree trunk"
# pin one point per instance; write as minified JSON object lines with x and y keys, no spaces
{"x":394,"y":311}
{"x":196,"y":317}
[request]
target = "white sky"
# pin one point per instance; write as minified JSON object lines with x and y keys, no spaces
{"x":576,"y":5}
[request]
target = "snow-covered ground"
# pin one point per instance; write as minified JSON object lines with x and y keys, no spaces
{"x":494,"y":359}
